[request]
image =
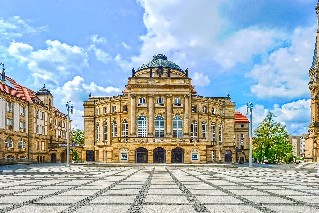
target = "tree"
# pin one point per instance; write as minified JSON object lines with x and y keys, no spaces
{"x":78,"y":136}
{"x":271,"y":141}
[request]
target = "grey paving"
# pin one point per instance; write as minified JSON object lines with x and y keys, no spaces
{"x":157,"y":188}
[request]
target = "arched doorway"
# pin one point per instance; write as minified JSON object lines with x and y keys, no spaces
{"x":159,"y":155}
{"x":53,"y":158}
{"x":228,"y":156}
{"x":141,"y":155}
{"x":63,"y":157}
{"x":178,"y":155}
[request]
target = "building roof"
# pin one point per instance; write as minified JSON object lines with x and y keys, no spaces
{"x":240,"y":118}
{"x":160,"y":60}
{"x":44,"y":91}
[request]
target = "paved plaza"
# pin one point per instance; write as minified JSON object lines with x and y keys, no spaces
{"x":157,"y":188}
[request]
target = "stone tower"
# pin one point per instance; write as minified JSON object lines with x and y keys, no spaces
{"x":312,"y":144}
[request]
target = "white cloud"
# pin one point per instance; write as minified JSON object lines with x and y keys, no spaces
{"x":199,"y":79}
{"x":295,"y":115}
{"x":16,"y":27}
{"x":96,"y":39}
{"x":284,"y":72}
{"x":126,"y":46}
{"x":76,"y":91}
{"x":53,"y":64}
{"x":100,"y":54}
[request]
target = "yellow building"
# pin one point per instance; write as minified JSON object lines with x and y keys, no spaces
{"x":31,"y":128}
{"x":159,"y":119}
{"x":312,"y":143}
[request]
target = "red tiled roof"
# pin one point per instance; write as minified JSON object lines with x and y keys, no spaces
{"x":18,"y":91}
{"x":240,"y":118}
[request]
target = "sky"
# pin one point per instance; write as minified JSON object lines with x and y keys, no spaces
{"x":257,"y":51}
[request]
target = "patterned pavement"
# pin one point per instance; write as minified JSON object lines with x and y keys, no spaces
{"x":157,"y":188}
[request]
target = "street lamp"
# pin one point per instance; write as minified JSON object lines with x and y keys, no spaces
{"x":69,"y":108}
{"x":250,"y":111}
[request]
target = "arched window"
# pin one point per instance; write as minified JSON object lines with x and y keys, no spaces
{"x":159,"y":127}
{"x":177,"y":126}
{"x":141,"y":126}
{"x":97,"y":132}
{"x":141,"y":101}
{"x":220,"y":133}
{"x":9,"y":143}
{"x":160,"y":101}
{"x":194,"y":129}
{"x":114,"y":129}
{"x":124,"y":128}
{"x":204,"y":129}
{"x":105,"y":131}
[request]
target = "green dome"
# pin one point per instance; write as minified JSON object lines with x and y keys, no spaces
{"x":160,"y":60}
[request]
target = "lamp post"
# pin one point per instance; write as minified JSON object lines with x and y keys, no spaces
{"x":250,"y":111}
{"x":69,"y":108}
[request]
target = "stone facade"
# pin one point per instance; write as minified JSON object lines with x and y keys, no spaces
{"x":312,"y":143}
{"x":159,"y":119}
{"x":31,"y":128}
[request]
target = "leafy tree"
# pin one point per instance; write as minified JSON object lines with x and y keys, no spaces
{"x":75,"y":155}
{"x":271,"y":141}
{"x":78,"y":136}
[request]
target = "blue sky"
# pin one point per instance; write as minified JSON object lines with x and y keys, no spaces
{"x":257,"y":51}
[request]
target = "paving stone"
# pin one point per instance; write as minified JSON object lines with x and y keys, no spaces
{"x":58,"y":199}
{"x":114,"y":199}
{"x":166,"y":199}
{"x":167,"y":208}
{"x":248,"y":192}
{"x":307,"y":199}
{"x":267,"y":199}
{"x":16,"y":199}
{"x":39,"y":209}
{"x":103,"y":208}
{"x":293,"y":209}
{"x":164,"y":191}
{"x":231,"y":208}
{"x":218,"y":199}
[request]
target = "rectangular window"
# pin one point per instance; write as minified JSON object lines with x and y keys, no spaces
{"x":43,"y":116}
{"x":43,"y":146}
{"x":204,"y":130}
{"x":97,"y":132}
{"x":177,"y":101}
{"x":194,"y":129}
{"x":22,"y":110}
{"x":124,"y":129}
{"x":113,"y":109}
{"x":114,"y":129}
{"x":21,"y":144}
{"x":213,"y":132}
{"x":194,"y":156}
{"x":9,"y":124}
{"x":37,"y":114}
{"x":9,"y":106}
{"x":220,"y":135}
{"x":194,"y":108}
{"x":105,"y":131}
{"x":105,"y":110}
{"x":141,"y":127}
{"x":98,"y":111}
{"x":124,"y":156}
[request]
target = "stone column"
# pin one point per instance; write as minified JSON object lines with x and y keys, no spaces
{"x":186,"y":116}
{"x":150,"y":115}
{"x":133,"y":115}
{"x":169,"y":115}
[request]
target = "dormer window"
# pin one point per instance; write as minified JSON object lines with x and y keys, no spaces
{"x":160,"y":101}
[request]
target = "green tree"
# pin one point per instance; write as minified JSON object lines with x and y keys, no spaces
{"x":271,"y":141}
{"x":78,"y":136}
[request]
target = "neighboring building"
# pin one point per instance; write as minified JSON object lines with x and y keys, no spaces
{"x":31,"y":128}
{"x":298,"y":144}
{"x":241,"y":137}
{"x":160,"y":119}
{"x":312,"y":143}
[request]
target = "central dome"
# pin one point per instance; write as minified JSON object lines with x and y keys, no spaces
{"x":160,"y":60}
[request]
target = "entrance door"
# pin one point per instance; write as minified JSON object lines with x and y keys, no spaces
{"x":63,"y":157}
{"x":53,"y":158}
{"x":159,"y":155}
{"x":178,"y":155}
{"x":89,"y":155}
{"x":228,"y":156}
{"x":141,"y":155}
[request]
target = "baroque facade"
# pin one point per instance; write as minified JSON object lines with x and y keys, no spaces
{"x":312,"y":143}
{"x":31,"y":128}
{"x":160,"y":119}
